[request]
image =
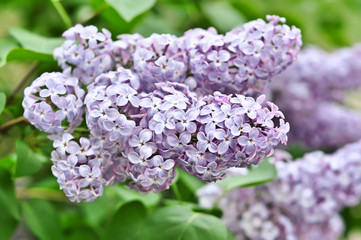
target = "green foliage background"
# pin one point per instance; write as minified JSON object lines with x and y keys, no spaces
{"x":32,"y":206}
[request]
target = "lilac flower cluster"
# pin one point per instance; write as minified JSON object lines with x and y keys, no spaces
{"x":85,"y":53}
{"x":142,"y":117}
{"x":79,"y":177}
{"x":328,"y":125}
{"x":51,"y":99}
{"x":241,"y":61}
{"x":155,"y":130}
{"x":302,"y":203}
{"x":244,"y":59}
{"x":160,"y":58}
{"x":316,"y":87}
{"x":82,"y":168}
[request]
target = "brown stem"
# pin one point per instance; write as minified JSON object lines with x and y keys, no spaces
{"x":11,"y":123}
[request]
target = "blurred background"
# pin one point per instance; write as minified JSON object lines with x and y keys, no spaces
{"x":45,"y":212}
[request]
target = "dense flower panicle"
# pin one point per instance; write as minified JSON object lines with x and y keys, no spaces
{"x":316,"y":83}
{"x":234,"y":131}
{"x":114,"y":113}
{"x":172,"y":127}
{"x":143,"y":116}
{"x":86,"y":53}
{"x":77,"y":168}
{"x":307,"y":195}
{"x":241,"y":61}
{"x":160,"y":58}
{"x":248,"y":216}
{"x":324,"y":75}
{"x":244,"y":59}
{"x":123,"y":50}
{"x":51,"y":99}
{"x":329,"y":125}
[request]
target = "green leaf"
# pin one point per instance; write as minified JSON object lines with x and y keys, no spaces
{"x":9,"y":211}
{"x":126,"y":222}
{"x":127,"y":195}
{"x":43,"y":219}
{"x":190,"y":181}
{"x":179,"y":222}
{"x":2,"y":101}
{"x":264,"y":172}
{"x":34,"y":42}
{"x":153,"y":23}
{"x":82,"y":234}
{"x":230,"y":236}
{"x":8,"y":162}
{"x":34,"y":47}
{"x":222,"y":15}
{"x":21,"y":54}
{"x":8,"y":225}
{"x":8,"y":201}
{"x":28,"y":162}
{"x":5,"y":47}
{"x":98,"y":211}
{"x":129,"y":9}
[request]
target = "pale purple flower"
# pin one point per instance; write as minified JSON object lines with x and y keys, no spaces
{"x":250,"y":141}
{"x":69,"y":166}
{"x":240,"y":126}
{"x":160,"y":166}
{"x":186,"y":120}
{"x":141,"y":157}
{"x":205,"y":142}
{"x":208,"y":171}
{"x":227,"y":140}
{"x":61,"y":143}
{"x":161,"y":121}
{"x":90,"y":175}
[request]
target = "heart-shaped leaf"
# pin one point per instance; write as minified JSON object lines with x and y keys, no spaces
{"x":129,"y":9}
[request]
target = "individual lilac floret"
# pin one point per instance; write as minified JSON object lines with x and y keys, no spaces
{"x":51,"y":99}
{"x":160,"y":58}
{"x":244,"y":59}
{"x":86,"y":53}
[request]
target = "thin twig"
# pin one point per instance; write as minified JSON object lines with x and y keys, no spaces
{"x":11,"y":123}
{"x":23,"y":82}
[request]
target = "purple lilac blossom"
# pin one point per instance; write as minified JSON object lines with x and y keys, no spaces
{"x":171,"y":127}
{"x":313,"y":103}
{"x":244,"y":59}
{"x":51,"y":99}
{"x":86,"y":53}
{"x":142,"y":126}
{"x":124,"y":48}
{"x":160,"y":58}
{"x":328,"y":124}
{"x":303,"y":202}
{"x":78,"y":176}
